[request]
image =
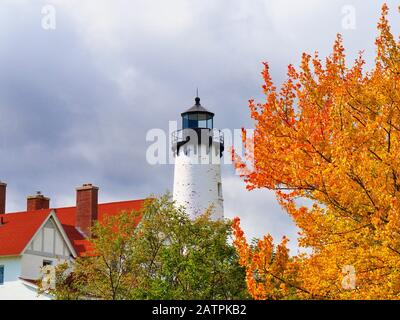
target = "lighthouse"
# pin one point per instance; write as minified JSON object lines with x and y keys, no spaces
{"x":198,"y":149}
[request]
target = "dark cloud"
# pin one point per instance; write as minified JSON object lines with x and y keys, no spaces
{"x":76,"y":102}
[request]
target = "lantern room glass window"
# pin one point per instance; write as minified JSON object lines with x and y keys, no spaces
{"x":197,"y":120}
{"x":1,"y":275}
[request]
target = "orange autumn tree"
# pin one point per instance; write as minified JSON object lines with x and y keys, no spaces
{"x":330,"y":135}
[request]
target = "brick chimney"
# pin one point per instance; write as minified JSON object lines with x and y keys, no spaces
{"x":3,"y":188}
{"x":86,"y":207}
{"x":37,"y":202}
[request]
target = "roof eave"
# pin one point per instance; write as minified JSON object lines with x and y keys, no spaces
{"x":10,"y":255}
{"x":200,"y":111}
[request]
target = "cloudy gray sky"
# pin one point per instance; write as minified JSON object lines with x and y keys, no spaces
{"x":76,"y":102}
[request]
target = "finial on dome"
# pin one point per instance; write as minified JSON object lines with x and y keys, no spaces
{"x":197,"y":97}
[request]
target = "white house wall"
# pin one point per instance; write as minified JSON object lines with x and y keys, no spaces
{"x":12,"y":268}
{"x":31,"y":265}
{"x":13,"y":288}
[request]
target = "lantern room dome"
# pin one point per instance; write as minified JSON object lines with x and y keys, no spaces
{"x":197,"y":117}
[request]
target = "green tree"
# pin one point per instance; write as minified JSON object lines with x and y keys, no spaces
{"x":157,"y":253}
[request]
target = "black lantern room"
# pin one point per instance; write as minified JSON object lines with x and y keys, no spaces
{"x":197,"y":121}
{"x":197,"y":117}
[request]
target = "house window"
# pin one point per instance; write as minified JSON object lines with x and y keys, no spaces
{"x":1,"y":275}
{"x":219,"y":189}
{"x":47,"y":263}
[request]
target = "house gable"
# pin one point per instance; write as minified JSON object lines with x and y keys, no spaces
{"x":50,"y":241}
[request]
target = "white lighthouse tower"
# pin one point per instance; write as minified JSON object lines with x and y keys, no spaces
{"x":198,"y":149}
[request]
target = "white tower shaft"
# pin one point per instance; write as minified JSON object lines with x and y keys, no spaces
{"x":197,"y":179}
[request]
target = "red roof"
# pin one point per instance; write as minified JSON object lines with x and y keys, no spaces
{"x":19,"y":228}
